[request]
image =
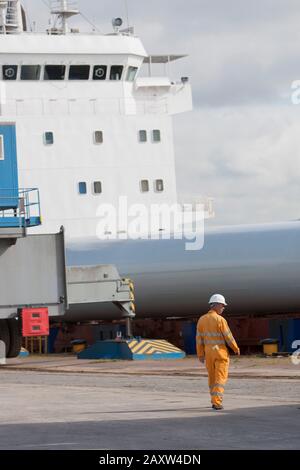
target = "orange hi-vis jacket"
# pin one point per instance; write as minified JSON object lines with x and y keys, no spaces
{"x":213,"y":330}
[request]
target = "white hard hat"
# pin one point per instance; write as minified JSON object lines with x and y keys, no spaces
{"x":217,"y":299}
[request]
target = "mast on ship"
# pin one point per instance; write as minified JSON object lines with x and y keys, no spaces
{"x":63,"y":10}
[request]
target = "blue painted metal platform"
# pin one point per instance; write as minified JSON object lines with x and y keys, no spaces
{"x":132,"y":350}
{"x":14,"y":222}
{"x":26,"y":213}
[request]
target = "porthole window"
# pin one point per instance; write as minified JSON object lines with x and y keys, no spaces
{"x":143,"y":136}
{"x":98,"y":137}
{"x":159,"y":186}
{"x":116,"y":72}
{"x":97,"y":187}
{"x":54,"y":72}
{"x":49,"y":138}
{"x":100,"y":72}
{"x":10,"y":72}
{"x":30,"y":72}
{"x":145,"y":186}
{"x":79,"y":72}
{"x":156,"y":137}
{"x":131,"y":74}
{"x":82,"y":187}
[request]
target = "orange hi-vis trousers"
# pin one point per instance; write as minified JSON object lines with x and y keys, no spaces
{"x":217,"y":365}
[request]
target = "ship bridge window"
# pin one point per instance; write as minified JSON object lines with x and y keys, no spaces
{"x":10,"y":72}
{"x":100,"y":72}
{"x":97,"y":187}
{"x":54,"y":72}
{"x":143,"y":136}
{"x":49,"y":138}
{"x":131,"y":74}
{"x":79,"y":72}
{"x":98,"y":137}
{"x":145,"y":186}
{"x":82,"y":187}
{"x":159,"y":186}
{"x":30,"y":72}
{"x":116,"y":72}
{"x":156,"y":137}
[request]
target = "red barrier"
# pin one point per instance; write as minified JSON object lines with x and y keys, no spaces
{"x":35,"y":322}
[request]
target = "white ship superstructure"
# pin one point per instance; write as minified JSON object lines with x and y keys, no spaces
{"x":89,"y":127}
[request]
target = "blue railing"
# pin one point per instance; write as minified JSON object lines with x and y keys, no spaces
{"x":20,"y":208}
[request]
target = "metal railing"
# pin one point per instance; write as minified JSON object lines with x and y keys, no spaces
{"x":194,"y":203}
{"x":20,"y":208}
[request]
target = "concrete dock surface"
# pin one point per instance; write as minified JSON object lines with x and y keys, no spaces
{"x":59,"y":402}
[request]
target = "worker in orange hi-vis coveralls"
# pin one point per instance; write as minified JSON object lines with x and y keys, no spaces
{"x":213,"y":334}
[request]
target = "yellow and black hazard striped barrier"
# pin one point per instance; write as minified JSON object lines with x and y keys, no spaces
{"x":154,"y":349}
{"x":132,"y":349}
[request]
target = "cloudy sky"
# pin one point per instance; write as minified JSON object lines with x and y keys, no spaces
{"x":241,"y":143}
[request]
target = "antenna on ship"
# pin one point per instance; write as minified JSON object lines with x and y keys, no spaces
{"x":63,"y":10}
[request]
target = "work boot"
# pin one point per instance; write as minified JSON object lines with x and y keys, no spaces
{"x":220,"y":407}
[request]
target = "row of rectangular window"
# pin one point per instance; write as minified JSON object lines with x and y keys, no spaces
{"x":49,"y":138}
{"x":97,"y":186}
{"x":98,"y":137}
{"x":158,"y":186}
{"x":155,"y":135}
{"x":75,"y":72}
